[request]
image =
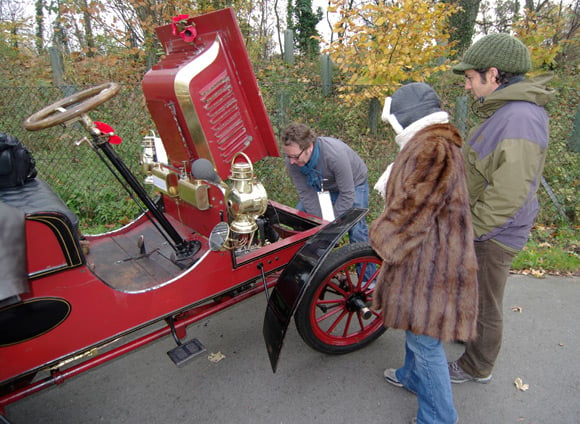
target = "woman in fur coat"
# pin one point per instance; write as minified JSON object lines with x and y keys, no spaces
{"x":427,"y":285}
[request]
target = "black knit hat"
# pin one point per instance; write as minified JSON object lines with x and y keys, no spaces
{"x":414,"y":101}
{"x":501,"y":51}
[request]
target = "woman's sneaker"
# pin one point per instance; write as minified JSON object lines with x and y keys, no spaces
{"x":391,"y":377}
{"x":458,"y":376}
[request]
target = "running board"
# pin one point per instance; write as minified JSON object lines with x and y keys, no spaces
{"x":185,"y":352}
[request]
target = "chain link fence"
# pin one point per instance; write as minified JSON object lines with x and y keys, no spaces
{"x":91,"y":191}
{"x":67,"y":163}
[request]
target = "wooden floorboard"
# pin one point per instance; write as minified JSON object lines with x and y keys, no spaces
{"x":119,"y":262}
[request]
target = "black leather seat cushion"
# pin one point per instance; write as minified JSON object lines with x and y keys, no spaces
{"x":37,"y":196}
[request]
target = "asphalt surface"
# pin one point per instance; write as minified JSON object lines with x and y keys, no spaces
{"x":541,"y":347}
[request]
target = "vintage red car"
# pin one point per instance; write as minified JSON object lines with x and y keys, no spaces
{"x":211,"y":239}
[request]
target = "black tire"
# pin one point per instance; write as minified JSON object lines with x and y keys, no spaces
{"x":329,"y":317}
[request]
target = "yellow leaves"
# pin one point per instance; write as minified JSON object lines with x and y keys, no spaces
{"x":538,"y":32}
{"x":216,"y":357}
{"x":538,"y":273}
{"x":387,"y":43}
{"x":520,"y":384}
{"x":381,"y":20}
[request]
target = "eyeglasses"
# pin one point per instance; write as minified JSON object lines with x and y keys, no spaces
{"x":296,"y":157}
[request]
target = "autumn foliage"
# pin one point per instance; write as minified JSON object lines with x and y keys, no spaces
{"x":383,"y":45}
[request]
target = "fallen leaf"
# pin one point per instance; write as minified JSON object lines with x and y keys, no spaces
{"x":215,"y":357}
{"x":538,"y":273}
{"x":520,"y":384}
{"x":517,"y":309}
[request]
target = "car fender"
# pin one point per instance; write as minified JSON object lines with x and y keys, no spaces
{"x":296,"y":277}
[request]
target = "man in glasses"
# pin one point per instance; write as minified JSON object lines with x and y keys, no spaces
{"x":329,"y":176}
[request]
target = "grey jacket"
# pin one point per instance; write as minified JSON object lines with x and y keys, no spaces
{"x":341,"y":170}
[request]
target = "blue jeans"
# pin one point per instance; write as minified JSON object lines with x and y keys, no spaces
{"x":425,"y":373}
{"x":360,"y":231}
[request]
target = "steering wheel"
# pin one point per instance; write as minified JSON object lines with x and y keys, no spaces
{"x":83,"y":101}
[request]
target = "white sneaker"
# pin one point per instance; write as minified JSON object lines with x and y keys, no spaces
{"x":391,"y":377}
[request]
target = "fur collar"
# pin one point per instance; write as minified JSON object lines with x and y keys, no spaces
{"x":404,"y":136}
{"x":435,"y":118}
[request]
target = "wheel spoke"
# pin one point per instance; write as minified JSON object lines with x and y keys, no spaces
{"x":347,"y":274}
{"x":336,"y":322}
{"x":360,"y":322}
{"x":336,"y":289}
{"x":347,"y":325}
{"x":330,"y":313}
{"x":362,"y":273}
{"x":332,"y":290}
{"x":329,"y":301}
{"x":372,"y":279}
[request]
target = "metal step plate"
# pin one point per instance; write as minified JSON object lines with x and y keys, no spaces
{"x":186,"y":351}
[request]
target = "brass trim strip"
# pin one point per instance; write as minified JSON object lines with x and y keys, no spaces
{"x":181,"y":87}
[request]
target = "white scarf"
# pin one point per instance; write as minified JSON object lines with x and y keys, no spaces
{"x":404,"y":135}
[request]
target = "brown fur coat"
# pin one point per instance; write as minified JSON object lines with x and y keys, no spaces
{"x":428,"y":281}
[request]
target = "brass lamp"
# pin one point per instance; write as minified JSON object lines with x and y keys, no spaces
{"x":246,"y":197}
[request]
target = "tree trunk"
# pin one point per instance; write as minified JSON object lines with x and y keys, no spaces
{"x":462,"y":24}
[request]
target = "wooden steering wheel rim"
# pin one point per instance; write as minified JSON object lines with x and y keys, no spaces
{"x":81,"y":102}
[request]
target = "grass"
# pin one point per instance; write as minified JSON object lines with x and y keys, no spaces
{"x":550,"y":250}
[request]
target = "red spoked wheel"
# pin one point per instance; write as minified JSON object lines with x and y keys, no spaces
{"x":334,"y":315}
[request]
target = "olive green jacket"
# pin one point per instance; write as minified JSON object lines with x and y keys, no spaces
{"x":504,"y":159}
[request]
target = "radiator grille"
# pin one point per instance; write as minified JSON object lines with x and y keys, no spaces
{"x":225,"y":118}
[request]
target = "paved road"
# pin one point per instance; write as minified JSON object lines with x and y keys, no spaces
{"x":541,"y":347}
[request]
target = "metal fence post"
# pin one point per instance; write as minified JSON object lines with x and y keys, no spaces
{"x":283,"y":110}
{"x":460,"y":115}
{"x":57,"y":66}
{"x":289,"y":46}
{"x":58,"y":72}
{"x":373,"y":118}
{"x":574,"y":140}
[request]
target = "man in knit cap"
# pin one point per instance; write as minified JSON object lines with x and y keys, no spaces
{"x":427,"y":285}
{"x":504,"y":159}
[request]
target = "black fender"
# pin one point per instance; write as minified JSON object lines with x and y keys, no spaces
{"x":296,"y":278}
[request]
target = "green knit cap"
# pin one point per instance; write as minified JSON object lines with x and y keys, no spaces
{"x":501,"y":51}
